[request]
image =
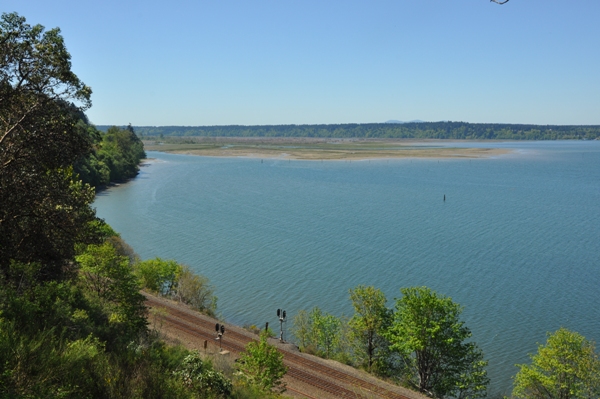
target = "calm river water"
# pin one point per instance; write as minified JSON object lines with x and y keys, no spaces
{"x":516,"y":242}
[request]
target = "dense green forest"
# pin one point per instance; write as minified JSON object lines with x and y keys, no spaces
{"x":412,"y":130}
{"x":114,"y":157}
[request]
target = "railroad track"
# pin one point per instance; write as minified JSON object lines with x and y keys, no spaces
{"x":313,"y":373}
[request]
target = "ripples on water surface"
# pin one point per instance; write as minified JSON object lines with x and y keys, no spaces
{"x":516,"y":242}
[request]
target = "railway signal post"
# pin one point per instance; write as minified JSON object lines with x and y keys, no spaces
{"x":282,"y":319}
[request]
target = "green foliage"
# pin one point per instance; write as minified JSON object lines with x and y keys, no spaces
{"x":261,"y":365}
{"x":115,"y":156}
{"x":123,"y":249}
{"x":37,"y":62}
{"x":37,"y":306}
{"x":47,"y":347}
{"x":108,"y":282}
{"x":245,"y":391}
{"x":44,"y":365}
{"x":201,"y":379}
{"x":430,"y":338}
{"x":121,"y":150}
{"x":159,"y":276}
{"x":302,"y":329}
{"x":196,"y":291}
{"x":44,"y":212}
{"x":52,"y":345}
{"x":171,"y":279}
{"x":67,"y":329}
{"x":102,"y":229}
{"x":370,"y":320}
{"x":413,"y":130}
{"x":566,"y":367}
{"x":319,"y":332}
{"x":42,"y":218}
{"x":327,"y":328}
{"x":89,"y":168}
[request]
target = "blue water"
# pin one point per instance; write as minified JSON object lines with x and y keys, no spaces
{"x":517,"y":241}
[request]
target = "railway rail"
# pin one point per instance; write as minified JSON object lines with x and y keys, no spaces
{"x":316,"y":374}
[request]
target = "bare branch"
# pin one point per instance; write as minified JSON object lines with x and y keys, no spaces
{"x":499,"y":2}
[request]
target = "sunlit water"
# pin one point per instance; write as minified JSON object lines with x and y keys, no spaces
{"x":516,"y":242}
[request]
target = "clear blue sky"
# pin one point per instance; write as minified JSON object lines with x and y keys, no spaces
{"x":253,"y":62}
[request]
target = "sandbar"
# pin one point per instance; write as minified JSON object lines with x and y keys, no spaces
{"x":319,"y":149}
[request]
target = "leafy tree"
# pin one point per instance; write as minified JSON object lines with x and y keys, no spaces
{"x":121,"y":150}
{"x":92,"y":171}
{"x":109,"y":282}
{"x":200,"y":378}
{"x":171,"y":279}
{"x":328,"y":328}
{"x":44,"y":211}
{"x":430,"y":338}
{"x":115,"y":155}
{"x":318,"y":332}
{"x":566,"y":367}
{"x":367,"y":326}
{"x":158,"y":276}
{"x":196,"y":291}
{"x":89,"y":168}
{"x":123,"y":249}
{"x":261,"y":365}
{"x":302,"y":329}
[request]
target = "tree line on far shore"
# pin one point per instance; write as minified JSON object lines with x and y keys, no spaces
{"x":409,"y":130}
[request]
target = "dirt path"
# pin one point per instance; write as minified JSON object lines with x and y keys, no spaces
{"x":307,"y":377}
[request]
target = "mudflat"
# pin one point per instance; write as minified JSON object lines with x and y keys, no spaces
{"x":318,"y":149}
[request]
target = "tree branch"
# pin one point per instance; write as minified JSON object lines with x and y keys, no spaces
{"x":25,"y":114}
{"x":499,"y":2}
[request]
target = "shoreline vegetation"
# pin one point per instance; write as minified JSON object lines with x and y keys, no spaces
{"x":304,"y":148}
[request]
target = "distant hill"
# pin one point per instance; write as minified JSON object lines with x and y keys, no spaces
{"x":406,"y":130}
{"x":396,"y":121}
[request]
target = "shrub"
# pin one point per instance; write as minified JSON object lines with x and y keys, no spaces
{"x":200,"y":377}
{"x":195,"y":291}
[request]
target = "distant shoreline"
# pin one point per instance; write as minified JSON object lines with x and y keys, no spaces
{"x":418,"y":130}
{"x":319,"y":149}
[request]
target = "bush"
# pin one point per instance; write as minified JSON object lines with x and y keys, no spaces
{"x":108,"y":283}
{"x":200,"y":377}
{"x":195,"y":291}
{"x":261,"y":365}
{"x":321,"y":333}
{"x":158,"y":276}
